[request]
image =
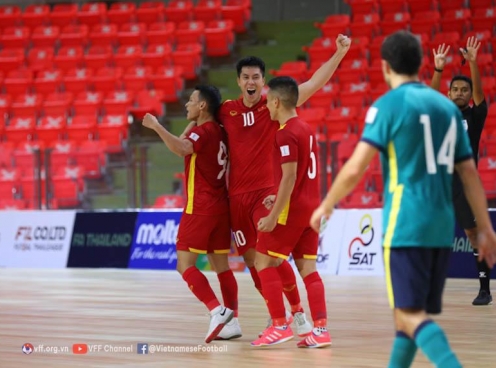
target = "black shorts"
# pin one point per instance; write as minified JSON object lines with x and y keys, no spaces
{"x":415,"y":277}
{"x":463,"y":212}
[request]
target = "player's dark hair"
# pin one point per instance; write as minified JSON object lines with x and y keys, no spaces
{"x":211,"y":96}
{"x":287,"y":89}
{"x":462,"y":78}
{"x":250,"y":61}
{"x":403,"y":52}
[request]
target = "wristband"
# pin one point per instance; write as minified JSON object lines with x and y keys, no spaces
{"x":438,"y":70}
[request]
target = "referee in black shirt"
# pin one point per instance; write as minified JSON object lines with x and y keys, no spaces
{"x":462,"y":89}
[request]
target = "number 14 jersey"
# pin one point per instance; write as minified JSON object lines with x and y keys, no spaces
{"x":250,"y":134}
{"x":420,"y":135}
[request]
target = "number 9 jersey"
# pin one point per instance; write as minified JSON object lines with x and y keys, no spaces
{"x":205,"y":171}
{"x":420,"y":135}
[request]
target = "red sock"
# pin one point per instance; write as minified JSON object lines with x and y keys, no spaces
{"x":229,"y":289}
{"x":272,"y":292}
{"x":316,"y":299}
{"x":198,"y":284}
{"x":256,"y":279}
{"x":289,"y":286}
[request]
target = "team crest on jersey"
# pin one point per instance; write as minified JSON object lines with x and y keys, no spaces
{"x":233,"y":113}
{"x":261,"y":108}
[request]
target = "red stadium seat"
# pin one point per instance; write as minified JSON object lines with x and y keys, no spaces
{"x":161,"y":33}
{"x":240,"y":15}
{"x":45,"y":36}
{"x":132,"y":34}
{"x":69,"y":57}
{"x":150,"y":12}
{"x":92,"y":13}
{"x":50,"y":129}
{"x":157,"y":56}
{"x":35,"y":15}
{"x":190,"y":32}
{"x":76,"y":80}
{"x":333,"y":25}
{"x":63,"y":14}
{"x":219,"y":38}
{"x":103,"y":35}
{"x":74,"y":35}
{"x":208,"y":11}
{"x":178,"y":11}
{"x":15,"y":37}
{"x":10,"y":16}
{"x":121,"y":12}
{"x":48,"y":81}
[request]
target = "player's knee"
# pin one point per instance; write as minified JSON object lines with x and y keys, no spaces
{"x":249,"y":258}
{"x":306,"y":266}
{"x":407,"y":320}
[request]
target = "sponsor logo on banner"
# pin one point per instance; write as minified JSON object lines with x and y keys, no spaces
{"x":363,"y":253}
{"x":102,"y":239}
{"x":36,"y":238}
{"x":154,"y":243}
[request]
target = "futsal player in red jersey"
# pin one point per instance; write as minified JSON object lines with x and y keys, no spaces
{"x":205,"y":226}
{"x":286,"y":230}
{"x":250,"y":135}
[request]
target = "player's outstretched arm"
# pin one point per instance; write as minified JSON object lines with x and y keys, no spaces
{"x":439,"y":63}
{"x":289,"y":173}
{"x":486,"y":238}
{"x":181,"y":147}
{"x":470,"y":54}
{"x":325,"y":72}
{"x":345,"y":182}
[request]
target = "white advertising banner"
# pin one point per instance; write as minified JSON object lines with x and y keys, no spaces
{"x":35,"y":239}
{"x":361,"y":243}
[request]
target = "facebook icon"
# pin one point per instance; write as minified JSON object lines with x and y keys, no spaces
{"x":142,"y":349}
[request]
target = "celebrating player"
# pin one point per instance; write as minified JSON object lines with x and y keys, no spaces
{"x":285,"y":229}
{"x":251,"y":135}
{"x":204,"y":226}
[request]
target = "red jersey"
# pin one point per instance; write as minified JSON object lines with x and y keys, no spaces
{"x":205,"y":171}
{"x":250,"y":136}
{"x":295,"y":142}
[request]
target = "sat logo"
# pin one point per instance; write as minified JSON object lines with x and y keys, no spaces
{"x":357,"y":250}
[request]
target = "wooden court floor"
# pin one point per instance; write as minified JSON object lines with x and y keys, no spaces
{"x":117,"y":309}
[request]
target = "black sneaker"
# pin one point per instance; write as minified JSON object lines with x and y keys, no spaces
{"x":484,"y":298}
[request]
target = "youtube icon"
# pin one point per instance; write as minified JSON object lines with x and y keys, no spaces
{"x":79,"y":349}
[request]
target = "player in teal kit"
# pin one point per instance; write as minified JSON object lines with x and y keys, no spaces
{"x":420,"y":136}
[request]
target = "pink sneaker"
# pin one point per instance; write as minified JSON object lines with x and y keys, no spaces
{"x":273,"y":336}
{"x":319,"y":338}
{"x":289,"y":319}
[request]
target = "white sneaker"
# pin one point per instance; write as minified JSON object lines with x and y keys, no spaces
{"x":231,"y":330}
{"x":289,"y":318}
{"x":302,"y":326}
{"x":218,"y":318}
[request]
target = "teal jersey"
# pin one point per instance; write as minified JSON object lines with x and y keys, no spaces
{"x":420,"y":135}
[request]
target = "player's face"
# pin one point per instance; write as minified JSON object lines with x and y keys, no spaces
{"x":251,"y":82}
{"x":193,"y":106}
{"x":460,"y":93}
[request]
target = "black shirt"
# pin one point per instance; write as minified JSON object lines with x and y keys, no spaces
{"x":474,"y":119}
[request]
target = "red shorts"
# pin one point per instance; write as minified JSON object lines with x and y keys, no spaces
{"x":204,"y":234}
{"x":302,"y":242}
{"x":246,"y":210}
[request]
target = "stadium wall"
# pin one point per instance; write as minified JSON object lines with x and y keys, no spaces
{"x":350,"y":243}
